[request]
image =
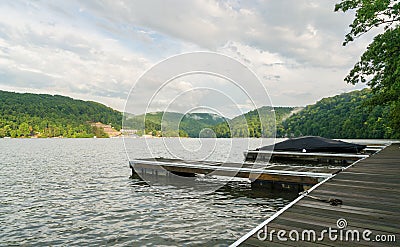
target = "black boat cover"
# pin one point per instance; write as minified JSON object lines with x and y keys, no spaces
{"x":314,"y":144}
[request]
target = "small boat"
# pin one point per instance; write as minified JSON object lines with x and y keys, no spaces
{"x":315,"y":144}
{"x":308,"y":148}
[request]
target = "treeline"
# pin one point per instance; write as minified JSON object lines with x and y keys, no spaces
{"x":257,"y":123}
{"x":343,"y":116}
{"x":42,"y":115}
{"x":169,"y":124}
{"x":172,"y":124}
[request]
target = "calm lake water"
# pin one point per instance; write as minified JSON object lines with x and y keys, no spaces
{"x":78,"y":192}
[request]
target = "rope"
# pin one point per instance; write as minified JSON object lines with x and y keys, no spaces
{"x":331,"y":201}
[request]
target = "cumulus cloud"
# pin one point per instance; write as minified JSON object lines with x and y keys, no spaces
{"x":50,"y":53}
{"x":97,"y":49}
{"x":308,"y":31}
{"x":288,"y":82}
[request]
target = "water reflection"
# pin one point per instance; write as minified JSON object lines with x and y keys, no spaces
{"x":77,"y":192}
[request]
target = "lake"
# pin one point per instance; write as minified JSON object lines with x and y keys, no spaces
{"x":78,"y":192}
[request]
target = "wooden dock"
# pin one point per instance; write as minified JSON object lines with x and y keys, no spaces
{"x":282,"y":176}
{"x":367,"y":194}
{"x":330,"y":158}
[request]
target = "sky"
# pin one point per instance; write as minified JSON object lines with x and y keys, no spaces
{"x":97,"y":50}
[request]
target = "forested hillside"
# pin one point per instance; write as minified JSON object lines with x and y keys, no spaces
{"x":173,"y":123}
{"x":209,"y":125}
{"x":249,"y":124}
{"x":42,"y":115}
{"x":342,"y":116}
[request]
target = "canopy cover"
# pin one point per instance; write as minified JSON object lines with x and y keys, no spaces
{"x":314,"y":144}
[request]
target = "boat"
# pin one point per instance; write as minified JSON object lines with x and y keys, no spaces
{"x":308,"y":148}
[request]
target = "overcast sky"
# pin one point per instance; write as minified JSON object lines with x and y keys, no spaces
{"x":96,"y":50}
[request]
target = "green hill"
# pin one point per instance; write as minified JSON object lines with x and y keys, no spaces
{"x":43,"y":115}
{"x":342,"y":116}
{"x":204,"y":124}
{"x":172,"y":123}
{"x":249,"y":124}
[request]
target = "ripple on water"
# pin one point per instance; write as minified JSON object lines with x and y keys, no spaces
{"x":77,"y":192}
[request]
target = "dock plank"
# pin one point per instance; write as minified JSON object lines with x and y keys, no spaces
{"x":283,"y":173}
{"x":370,"y":191}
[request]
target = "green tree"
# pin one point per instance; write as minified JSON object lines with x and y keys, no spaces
{"x":341,"y":116}
{"x":49,"y":116}
{"x":379,"y":66}
{"x":24,"y":130}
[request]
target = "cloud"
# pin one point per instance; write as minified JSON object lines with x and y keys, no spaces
{"x":56,"y":55}
{"x":288,"y":82}
{"x":98,"y":49}
{"x":308,"y":31}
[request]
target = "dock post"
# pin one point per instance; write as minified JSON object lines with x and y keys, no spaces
{"x":271,"y":185}
{"x":134,"y":174}
{"x":262,"y":184}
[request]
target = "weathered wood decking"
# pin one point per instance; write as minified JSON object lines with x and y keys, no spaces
{"x":370,"y":192}
{"x":332,"y":158}
{"x":301,"y":175}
